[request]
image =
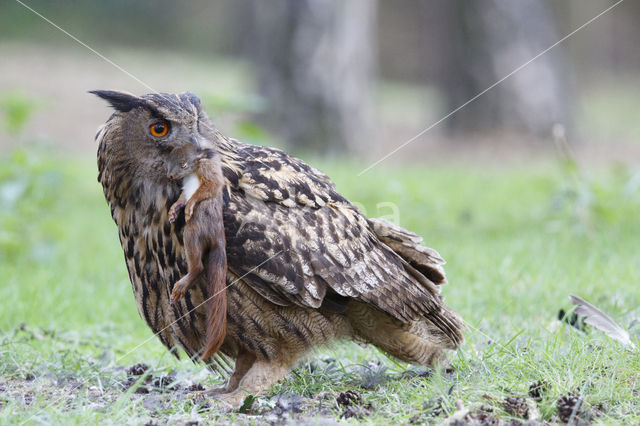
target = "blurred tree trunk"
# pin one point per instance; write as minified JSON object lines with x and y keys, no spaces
{"x":478,"y":43}
{"x":315,"y":64}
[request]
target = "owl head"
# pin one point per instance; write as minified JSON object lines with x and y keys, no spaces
{"x":144,"y":130}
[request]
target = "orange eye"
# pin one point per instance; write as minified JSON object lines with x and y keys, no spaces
{"x":159,"y":129}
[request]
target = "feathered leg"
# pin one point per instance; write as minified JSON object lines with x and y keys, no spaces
{"x":243,"y":363}
{"x":260,"y":376}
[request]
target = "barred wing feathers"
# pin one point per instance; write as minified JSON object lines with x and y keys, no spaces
{"x":296,"y":238}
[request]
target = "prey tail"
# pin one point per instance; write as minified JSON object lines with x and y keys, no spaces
{"x":217,"y":304}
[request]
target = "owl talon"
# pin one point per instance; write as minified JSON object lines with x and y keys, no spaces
{"x":220,"y":401}
{"x":212,"y":392}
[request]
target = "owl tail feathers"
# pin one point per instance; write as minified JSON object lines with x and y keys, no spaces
{"x":410,"y":247}
{"x":217,"y":303}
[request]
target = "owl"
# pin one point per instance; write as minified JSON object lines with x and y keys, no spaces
{"x":304,"y":266}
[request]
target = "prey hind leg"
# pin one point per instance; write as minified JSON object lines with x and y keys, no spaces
{"x":195,"y":265}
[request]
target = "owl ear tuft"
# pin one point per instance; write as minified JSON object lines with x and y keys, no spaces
{"x":121,"y":101}
{"x":193,"y":99}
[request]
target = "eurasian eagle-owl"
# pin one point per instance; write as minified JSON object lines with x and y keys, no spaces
{"x":305,"y":267}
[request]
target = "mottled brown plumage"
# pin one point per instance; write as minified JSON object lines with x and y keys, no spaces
{"x":305,"y":267}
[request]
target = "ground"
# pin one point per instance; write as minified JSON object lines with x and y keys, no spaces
{"x":518,"y":241}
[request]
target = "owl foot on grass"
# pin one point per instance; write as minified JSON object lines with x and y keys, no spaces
{"x":217,"y":401}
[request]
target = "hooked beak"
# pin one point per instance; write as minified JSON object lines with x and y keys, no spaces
{"x":192,"y":138}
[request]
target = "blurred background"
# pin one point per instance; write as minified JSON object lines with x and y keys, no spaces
{"x":331,"y":77}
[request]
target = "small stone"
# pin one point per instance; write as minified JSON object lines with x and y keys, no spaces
{"x":516,"y":407}
{"x":349,"y":398}
{"x":164,"y":382}
{"x":356,"y":412}
{"x":538,"y":388}
{"x":196,"y":387}
{"x":137,"y":369}
{"x":142,"y":390}
{"x":567,"y":405}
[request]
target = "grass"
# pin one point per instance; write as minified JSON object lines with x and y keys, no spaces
{"x":518,"y":241}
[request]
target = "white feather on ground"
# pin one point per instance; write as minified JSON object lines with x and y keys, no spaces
{"x":595,"y":317}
